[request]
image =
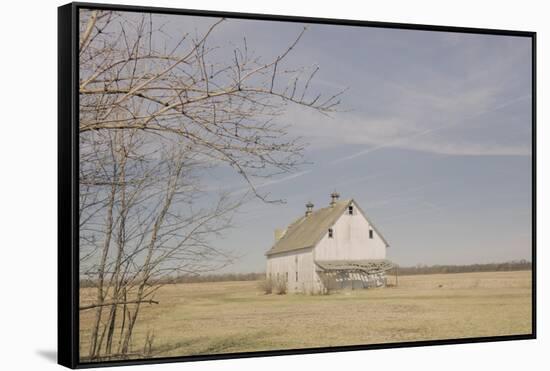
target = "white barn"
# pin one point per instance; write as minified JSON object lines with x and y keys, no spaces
{"x":335,"y":247}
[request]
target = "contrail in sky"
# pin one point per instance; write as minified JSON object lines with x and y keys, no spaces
{"x":425,"y":132}
{"x":383,"y":145}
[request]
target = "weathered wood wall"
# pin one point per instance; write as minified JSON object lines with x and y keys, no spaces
{"x":300,"y":261}
{"x":350,"y":240}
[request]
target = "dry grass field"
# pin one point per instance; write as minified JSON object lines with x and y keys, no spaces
{"x":224,"y":317}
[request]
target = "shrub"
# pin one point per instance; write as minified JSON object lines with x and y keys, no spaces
{"x":266,"y":286}
{"x":280,"y":286}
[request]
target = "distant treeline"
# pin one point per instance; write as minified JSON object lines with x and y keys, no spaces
{"x":221,"y":277}
{"x":515,"y":265}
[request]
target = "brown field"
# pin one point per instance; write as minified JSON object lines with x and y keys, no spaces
{"x":225,"y":317}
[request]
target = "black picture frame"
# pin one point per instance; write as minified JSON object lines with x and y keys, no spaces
{"x":68,"y":155}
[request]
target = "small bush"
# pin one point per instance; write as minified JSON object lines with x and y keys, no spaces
{"x":266,"y":286}
{"x":273,"y":286}
{"x":280,"y":287}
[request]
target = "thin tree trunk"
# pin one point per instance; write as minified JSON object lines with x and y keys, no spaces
{"x":100,"y":297}
{"x":171,"y":189}
{"x":115,"y":281}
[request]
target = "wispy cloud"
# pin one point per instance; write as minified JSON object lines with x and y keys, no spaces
{"x":270,"y":182}
{"x":284,"y":179}
{"x":414,"y":133}
{"x":409,"y":140}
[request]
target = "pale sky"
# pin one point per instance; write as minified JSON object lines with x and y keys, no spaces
{"x":434,"y":143}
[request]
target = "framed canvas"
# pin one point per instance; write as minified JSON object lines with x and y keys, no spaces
{"x":244,"y":185}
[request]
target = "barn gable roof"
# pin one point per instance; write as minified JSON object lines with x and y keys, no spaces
{"x":306,"y":232}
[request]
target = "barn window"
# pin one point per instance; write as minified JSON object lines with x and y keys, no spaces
{"x":330,"y":233}
{"x":371,"y":234}
{"x":296,"y":276}
{"x":350,"y":210}
{"x":286,"y":276}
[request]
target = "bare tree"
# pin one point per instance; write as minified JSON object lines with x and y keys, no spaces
{"x":154,"y":113}
{"x":144,"y":226}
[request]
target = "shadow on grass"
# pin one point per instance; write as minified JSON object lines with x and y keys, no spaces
{"x":236,"y":343}
{"x":160,"y":351}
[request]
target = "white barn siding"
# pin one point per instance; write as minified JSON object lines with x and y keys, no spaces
{"x":300,"y":261}
{"x":350,"y":240}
